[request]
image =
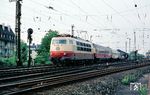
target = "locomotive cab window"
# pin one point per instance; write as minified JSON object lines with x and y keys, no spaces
{"x":63,"y":41}
{"x":55,"y":42}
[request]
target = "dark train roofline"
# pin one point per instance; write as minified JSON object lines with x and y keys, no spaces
{"x":121,"y":51}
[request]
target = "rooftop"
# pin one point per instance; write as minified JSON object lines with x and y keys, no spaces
{"x":6,"y":34}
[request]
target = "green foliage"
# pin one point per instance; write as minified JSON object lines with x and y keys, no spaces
{"x":45,"y":45}
{"x":143,"y":90}
{"x":131,"y":77}
{"x":24,"y":51}
{"x":40,"y":59}
{"x":127,"y":79}
{"x":11,"y":61}
{"x":43,"y":51}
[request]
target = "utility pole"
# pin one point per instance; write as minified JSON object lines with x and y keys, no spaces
{"x":126,"y":46}
{"x":135,"y":44}
{"x":17,"y":31}
{"x":91,"y":38}
{"x":72,"y":30}
{"x":129,"y":44}
{"x":86,"y":35}
{"x":126,"y":42}
{"x":135,"y":41}
{"x":143,"y":42}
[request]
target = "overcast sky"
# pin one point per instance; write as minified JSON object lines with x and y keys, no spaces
{"x":110,"y":22}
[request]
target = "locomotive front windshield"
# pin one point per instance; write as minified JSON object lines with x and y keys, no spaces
{"x":62,"y":41}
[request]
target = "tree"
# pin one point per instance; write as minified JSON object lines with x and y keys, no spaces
{"x":24,"y":51}
{"x":43,"y":51}
{"x":11,"y":61}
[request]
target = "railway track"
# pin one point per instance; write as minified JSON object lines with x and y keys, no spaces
{"x":32,"y":70}
{"x":43,"y":74}
{"x":18,"y":87}
{"x":25,"y":70}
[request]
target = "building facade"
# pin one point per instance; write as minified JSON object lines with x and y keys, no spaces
{"x":7,"y":41}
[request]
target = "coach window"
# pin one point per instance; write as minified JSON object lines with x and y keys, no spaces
{"x":89,"y":49}
{"x":84,"y":44}
{"x":89,"y":45}
{"x":80,"y":44}
{"x":82,"y":49}
{"x":77,"y":43}
{"x":78,"y":48}
{"x":85,"y":49}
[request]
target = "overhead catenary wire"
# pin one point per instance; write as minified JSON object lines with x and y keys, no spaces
{"x":92,"y":6}
{"x":98,"y":15}
{"x":42,"y":14}
{"x":44,"y":21}
{"x":65,"y":14}
{"x":128,"y":21}
{"x":137,"y":12}
{"x":84,"y":11}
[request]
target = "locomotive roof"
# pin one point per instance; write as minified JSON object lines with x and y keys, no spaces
{"x":77,"y":38}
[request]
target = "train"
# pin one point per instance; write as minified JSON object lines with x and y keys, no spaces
{"x":68,"y":49}
{"x":148,"y":55}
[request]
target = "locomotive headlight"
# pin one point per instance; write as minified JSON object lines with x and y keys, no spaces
{"x":57,"y":48}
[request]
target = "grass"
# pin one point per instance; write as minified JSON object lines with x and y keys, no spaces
{"x":127,"y":79}
{"x":143,"y":90}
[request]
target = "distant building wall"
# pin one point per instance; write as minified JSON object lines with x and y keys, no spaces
{"x":34,"y":50}
{"x":7,"y":41}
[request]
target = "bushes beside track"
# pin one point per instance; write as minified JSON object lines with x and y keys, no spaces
{"x":132,"y":77}
{"x":7,"y":62}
